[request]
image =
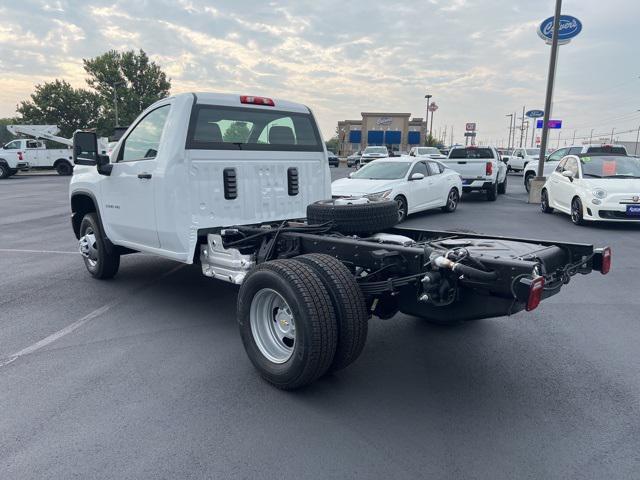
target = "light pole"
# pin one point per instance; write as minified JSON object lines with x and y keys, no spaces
{"x":537,"y":183}
{"x":426,"y":120}
{"x":115,"y":99}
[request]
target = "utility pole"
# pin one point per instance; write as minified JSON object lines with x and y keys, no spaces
{"x":533,"y":131}
{"x":573,"y":142}
{"x":635,"y":149}
{"x":510,"y":115}
{"x":591,"y":136}
{"x":522,"y":127}
{"x":431,"y":126}
{"x":538,"y":181}
{"x":115,"y":100}
{"x":559,"y":133}
{"x":612,"y":130}
{"x":526,"y":132}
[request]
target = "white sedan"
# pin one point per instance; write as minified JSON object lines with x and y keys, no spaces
{"x":414,"y":184}
{"x":594,"y":187}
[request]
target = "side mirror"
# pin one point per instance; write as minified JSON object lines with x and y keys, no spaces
{"x":520,"y":155}
{"x":568,"y":174}
{"x":416,"y":176}
{"x":85,"y":148}
{"x":350,"y":174}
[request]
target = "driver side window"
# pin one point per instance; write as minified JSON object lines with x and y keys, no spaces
{"x":144,"y":140}
{"x":558,"y":154}
{"x":420,"y":167}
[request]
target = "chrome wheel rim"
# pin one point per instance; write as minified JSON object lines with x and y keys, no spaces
{"x":272,"y":325}
{"x":88,"y":246}
{"x":543,"y":201}
{"x":452,"y":200}
{"x":402,"y":209}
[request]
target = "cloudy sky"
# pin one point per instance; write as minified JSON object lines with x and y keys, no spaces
{"x":480,"y":59}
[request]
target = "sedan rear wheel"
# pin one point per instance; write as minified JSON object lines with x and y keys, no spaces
{"x":452,"y":201}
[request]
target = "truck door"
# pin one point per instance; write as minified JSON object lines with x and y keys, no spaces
{"x":32,"y":153}
{"x":128,"y":193}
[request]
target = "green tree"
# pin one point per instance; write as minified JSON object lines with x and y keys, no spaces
{"x":5,"y":136}
{"x":332,"y":144}
{"x":430,"y":141}
{"x":137,"y":81}
{"x":58,"y":103}
{"x":237,"y":132}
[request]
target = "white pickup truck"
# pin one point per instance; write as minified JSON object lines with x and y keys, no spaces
{"x":11,"y":160}
{"x":35,"y":154}
{"x":255,"y":209}
{"x":480,"y":168}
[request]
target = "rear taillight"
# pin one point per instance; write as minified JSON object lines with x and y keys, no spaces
{"x":536,"y":288}
{"x":20,"y":156}
{"x":489,"y":169}
{"x":606,"y":260}
{"x":267,"y":102}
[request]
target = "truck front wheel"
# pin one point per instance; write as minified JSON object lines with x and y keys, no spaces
{"x":287,"y":323}
{"x":5,"y":172}
{"x":100,"y":263}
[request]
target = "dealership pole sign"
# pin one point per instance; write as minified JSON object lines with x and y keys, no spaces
{"x":569,"y":28}
{"x":535,"y":113}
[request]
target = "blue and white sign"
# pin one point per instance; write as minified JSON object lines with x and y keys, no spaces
{"x":550,"y":124}
{"x":535,"y":113}
{"x":569,"y":28}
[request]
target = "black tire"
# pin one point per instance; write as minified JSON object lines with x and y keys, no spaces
{"x":502,"y":187}
{"x":5,"y":172}
{"x":527,"y":181}
{"x":492,"y":192}
{"x":365,"y":218}
{"x":403,"y":208}
{"x":348,"y":304}
{"x":63,"y":167}
{"x":453,"y":199}
{"x":13,"y":171}
{"x":544,"y":202}
{"x":577,"y":212}
{"x":313,"y":316}
{"x":105,"y":265}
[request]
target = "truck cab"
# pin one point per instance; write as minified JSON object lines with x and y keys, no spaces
{"x":12,"y":158}
{"x":197,"y":161}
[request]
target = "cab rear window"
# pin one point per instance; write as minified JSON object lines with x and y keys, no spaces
{"x":471,"y":153}
{"x":607,"y":149}
{"x":232,"y":128}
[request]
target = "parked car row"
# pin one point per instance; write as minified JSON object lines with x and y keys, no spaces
{"x":425,"y":179}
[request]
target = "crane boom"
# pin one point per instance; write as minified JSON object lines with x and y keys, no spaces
{"x":48,"y":132}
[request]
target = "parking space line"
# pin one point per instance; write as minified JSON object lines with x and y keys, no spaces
{"x":79,"y":323}
{"x":17,"y":250}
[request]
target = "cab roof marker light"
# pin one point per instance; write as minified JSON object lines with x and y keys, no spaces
{"x":250,"y":99}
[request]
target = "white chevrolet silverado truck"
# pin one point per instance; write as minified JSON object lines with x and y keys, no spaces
{"x":241,"y":186}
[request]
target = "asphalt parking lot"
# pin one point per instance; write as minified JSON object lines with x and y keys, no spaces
{"x":145,"y":376}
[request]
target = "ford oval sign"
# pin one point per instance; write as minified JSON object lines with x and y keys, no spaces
{"x":569,"y":27}
{"x":535,"y":113}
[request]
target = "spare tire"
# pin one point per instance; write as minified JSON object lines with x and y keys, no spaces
{"x":372,"y":216}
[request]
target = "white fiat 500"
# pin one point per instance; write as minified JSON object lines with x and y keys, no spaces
{"x":594,"y":187}
{"x":414,"y":184}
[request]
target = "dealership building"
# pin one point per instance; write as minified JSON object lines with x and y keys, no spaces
{"x":397,"y":130}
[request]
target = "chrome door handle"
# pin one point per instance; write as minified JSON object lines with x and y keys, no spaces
{"x":145,"y":175}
